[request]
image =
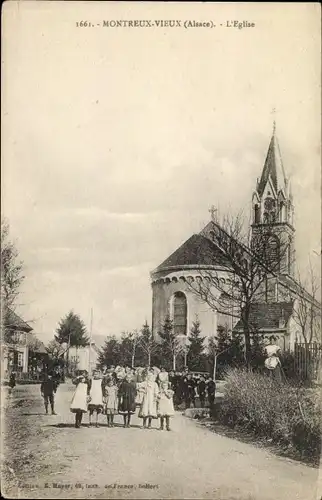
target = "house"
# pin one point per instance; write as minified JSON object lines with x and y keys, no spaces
{"x":21,"y":351}
{"x":82,"y":358}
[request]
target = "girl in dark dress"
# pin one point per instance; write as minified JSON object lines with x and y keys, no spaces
{"x":126,"y":395}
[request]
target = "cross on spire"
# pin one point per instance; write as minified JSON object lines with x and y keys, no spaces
{"x":274,"y":119}
{"x":213,"y":211}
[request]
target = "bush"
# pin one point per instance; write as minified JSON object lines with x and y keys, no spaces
{"x":287,"y":415}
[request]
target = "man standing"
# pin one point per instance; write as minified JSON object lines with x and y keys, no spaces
{"x":48,"y":389}
{"x":189,"y":391}
{"x":12,"y":382}
{"x":211,"y":393}
{"x":201,"y":388}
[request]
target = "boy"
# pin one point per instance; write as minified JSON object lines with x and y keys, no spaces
{"x":48,"y":389}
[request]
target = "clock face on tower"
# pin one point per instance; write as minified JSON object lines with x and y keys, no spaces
{"x":269,"y":204}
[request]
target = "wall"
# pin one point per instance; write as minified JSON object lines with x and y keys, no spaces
{"x":163,"y":291}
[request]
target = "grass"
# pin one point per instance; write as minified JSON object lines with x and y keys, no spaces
{"x":284,"y":415}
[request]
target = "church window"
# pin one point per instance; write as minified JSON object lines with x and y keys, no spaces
{"x":266,"y":289}
{"x":281,"y":211}
{"x":266,"y":220}
{"x":257,"y":214}
{"x":289,"y":256}
{"x":273,"y":252}
{"x":180,"y":313}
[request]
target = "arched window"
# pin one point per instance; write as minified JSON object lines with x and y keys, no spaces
{"x":180,"y":314}
{"x":272,"y":252}
{"x":256,"y":214}
{"x":289,"y":255}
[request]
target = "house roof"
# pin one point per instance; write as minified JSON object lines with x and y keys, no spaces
{"x":266,"y":316}
{"x":197,"y":250}
{"x":273,"y":168}
{"x":14,"y":322}
{"x":35,"y":344}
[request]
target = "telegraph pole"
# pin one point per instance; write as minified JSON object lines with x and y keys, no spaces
{"x":90,"y":344}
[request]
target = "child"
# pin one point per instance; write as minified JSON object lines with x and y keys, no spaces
{"x":95,"y":396}
{"x":165,"y":405}
{"x":79,"y":399}
{"x":48,"y":389}
{"x":148,"y":408}
{"x":110,"y":397}
{"x":126,"y":394}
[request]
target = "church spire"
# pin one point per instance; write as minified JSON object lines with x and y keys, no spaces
{"x":273,"y":170}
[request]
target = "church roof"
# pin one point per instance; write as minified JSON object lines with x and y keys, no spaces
{"x":267,"y":316}
{"x":273,"y":168}
{"x":197,"y":250}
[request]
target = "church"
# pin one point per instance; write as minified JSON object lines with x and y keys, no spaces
{"x":272,"y":312}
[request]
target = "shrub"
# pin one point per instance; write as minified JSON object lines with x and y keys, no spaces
{"x":285,"y":414}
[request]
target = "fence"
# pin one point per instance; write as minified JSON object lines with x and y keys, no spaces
{"x":308,"y":361}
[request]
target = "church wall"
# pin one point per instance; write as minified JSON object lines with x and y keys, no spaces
{"x":163,"y":292}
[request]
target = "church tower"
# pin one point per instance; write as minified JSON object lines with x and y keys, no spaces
{"x":273,"y":212}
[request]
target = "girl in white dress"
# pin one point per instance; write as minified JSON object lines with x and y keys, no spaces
{"x":95,"y":396}
{"x":111,"y":401}
{"x":165,"y":405}
{"x":79,"y":400}
{"x":148,"y":409}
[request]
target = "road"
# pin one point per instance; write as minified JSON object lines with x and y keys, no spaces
{"x":46,"y":457}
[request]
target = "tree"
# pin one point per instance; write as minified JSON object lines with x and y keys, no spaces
{"x":307,"y":310}
{"x":129,"y":347}
{"x":72,"y":331}
{"x":11,"y":278}
{"x":248,"y":267}
{"x":171,"y":344}
{"x":56,"y":352}
{"x":195,"y":359}
{"x":147,"y":344}
{"x":225,"y":350}
{"x":110,"y":353}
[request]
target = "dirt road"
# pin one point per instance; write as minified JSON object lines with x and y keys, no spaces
{"x":46,"y":457}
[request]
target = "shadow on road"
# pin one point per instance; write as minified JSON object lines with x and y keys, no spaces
{"x":33,"y":414}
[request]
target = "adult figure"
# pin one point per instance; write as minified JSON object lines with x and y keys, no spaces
{"x":12,"y":382}
{"x":201,"y":388}
{"x":211,"y":393}
{"x":189,"y":391}
{"x":273,"y":363}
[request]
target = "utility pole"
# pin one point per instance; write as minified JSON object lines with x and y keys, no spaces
{"x":90,"y":344}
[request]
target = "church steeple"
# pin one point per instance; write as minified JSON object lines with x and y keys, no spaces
{"x":273,"y":203}
{"x":272,"y":198}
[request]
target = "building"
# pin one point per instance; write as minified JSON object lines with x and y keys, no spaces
{"x":22,"y":352}
{"x":82,"y":358}
{"x":273,"y":309}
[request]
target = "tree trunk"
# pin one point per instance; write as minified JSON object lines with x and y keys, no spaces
{"x":149,"y":359}
{"x":174,"y":362}
{"x":245,"y":320}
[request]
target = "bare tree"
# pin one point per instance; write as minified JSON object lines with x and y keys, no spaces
{"x":171,"y":343}
{"x":129,"y":344}
{"x":147,"y":343}
{"x":251,"y":264}
{"x":11,"y":278}
{"x":307,"y":313}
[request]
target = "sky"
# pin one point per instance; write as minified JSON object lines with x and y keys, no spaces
{"x":116,"y":142}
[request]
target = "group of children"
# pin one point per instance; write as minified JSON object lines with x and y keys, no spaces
{"x":120,"y":392}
